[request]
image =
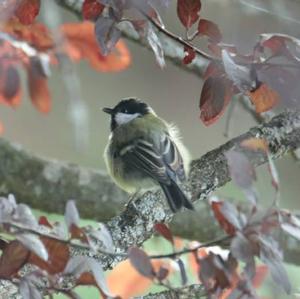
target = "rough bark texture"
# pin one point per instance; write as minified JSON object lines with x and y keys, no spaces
{"x":48,"y":184}
{"x":189,"y":292}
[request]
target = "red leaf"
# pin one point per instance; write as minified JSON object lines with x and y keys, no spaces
{"x":164,"y":231}
{"x":81,"y":44}
{"x":14,"y":256}
{"x":27,"y":11}
{"x":209,"y":29}
{"x":37,"y":35}
{"x":213,"y":70}
{"x":44,"y":221}
{"x":188,"y":11}
{"x":224,"y":223}
{"x":141,"y":262}
{"x":58,"y":256}
{"x":86,"y":278}
{"x":277,"y":43}
{"x":77,"y":233}
{"x":91,"y":9}
{"x":190,"y":54}
{"x":38,"y":89}
{"x":215,"y":96}
{"x":263,"y":98}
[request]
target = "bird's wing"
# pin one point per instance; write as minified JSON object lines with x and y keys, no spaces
{"x":172,"y":157}
{"x":160,"y":160}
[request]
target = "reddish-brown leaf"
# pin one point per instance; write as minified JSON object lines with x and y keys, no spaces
{"x":13,"y":258}
{"x":38,"y":89}
{"x":36,"y":34}
{"x":10,"y":88}
{"x":81,"y":44}
{"x":224,"y":223}
{"x":213,"y":273}
{"x":86,"y":278}
{"x":263,"y":98}
{"x":188,"y":11}
{"x":77,"y":233}
{"x":164,"y":231}
{"x":214,"y":69}
{"x":44,"y":221}
{"x":277,"y":43}
{"x":27,"y":11}
{"x":91,"y":9}
{"x":209,"y":29}
{"x":190,"y":54}
{"x":215,"y":96}
{"x":141,"y":262}
{"x":58,"y":256}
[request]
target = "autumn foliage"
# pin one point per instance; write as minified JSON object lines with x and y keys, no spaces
{"x":264,"y":78}
{"x":30,"y":45}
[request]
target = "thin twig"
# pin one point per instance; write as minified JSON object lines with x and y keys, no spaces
{"x":189,"y":250}
{"x":180,"y":40}
{"x":114,"y":254}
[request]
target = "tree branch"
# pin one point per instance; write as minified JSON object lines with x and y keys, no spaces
{"x":172,"y":49}
{"x":29,"y":176}
{"x":48,"y":184}
{"x":19,"y":170}
{"x":194,"y":291}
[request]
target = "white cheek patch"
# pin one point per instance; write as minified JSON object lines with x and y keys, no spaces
{"x":123,"y":118}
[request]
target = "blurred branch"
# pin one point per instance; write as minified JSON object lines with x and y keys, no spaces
{"x":173,"y":50}
{"x":48,"y":184}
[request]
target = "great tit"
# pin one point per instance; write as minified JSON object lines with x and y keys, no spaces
{"x":144,"y":150}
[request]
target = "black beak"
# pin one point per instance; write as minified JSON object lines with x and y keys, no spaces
{"x":108,"y":110}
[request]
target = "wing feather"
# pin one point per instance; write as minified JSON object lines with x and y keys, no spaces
{"x":160,"y":160}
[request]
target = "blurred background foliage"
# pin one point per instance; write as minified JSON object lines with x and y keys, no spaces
{"x":173,"y":93}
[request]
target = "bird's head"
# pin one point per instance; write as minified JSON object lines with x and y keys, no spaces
{"x":127,"y":110}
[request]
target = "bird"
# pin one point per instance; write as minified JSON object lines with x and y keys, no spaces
{"x":144,"y":151}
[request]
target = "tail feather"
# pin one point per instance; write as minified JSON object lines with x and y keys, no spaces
{"x":175,"y":197}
